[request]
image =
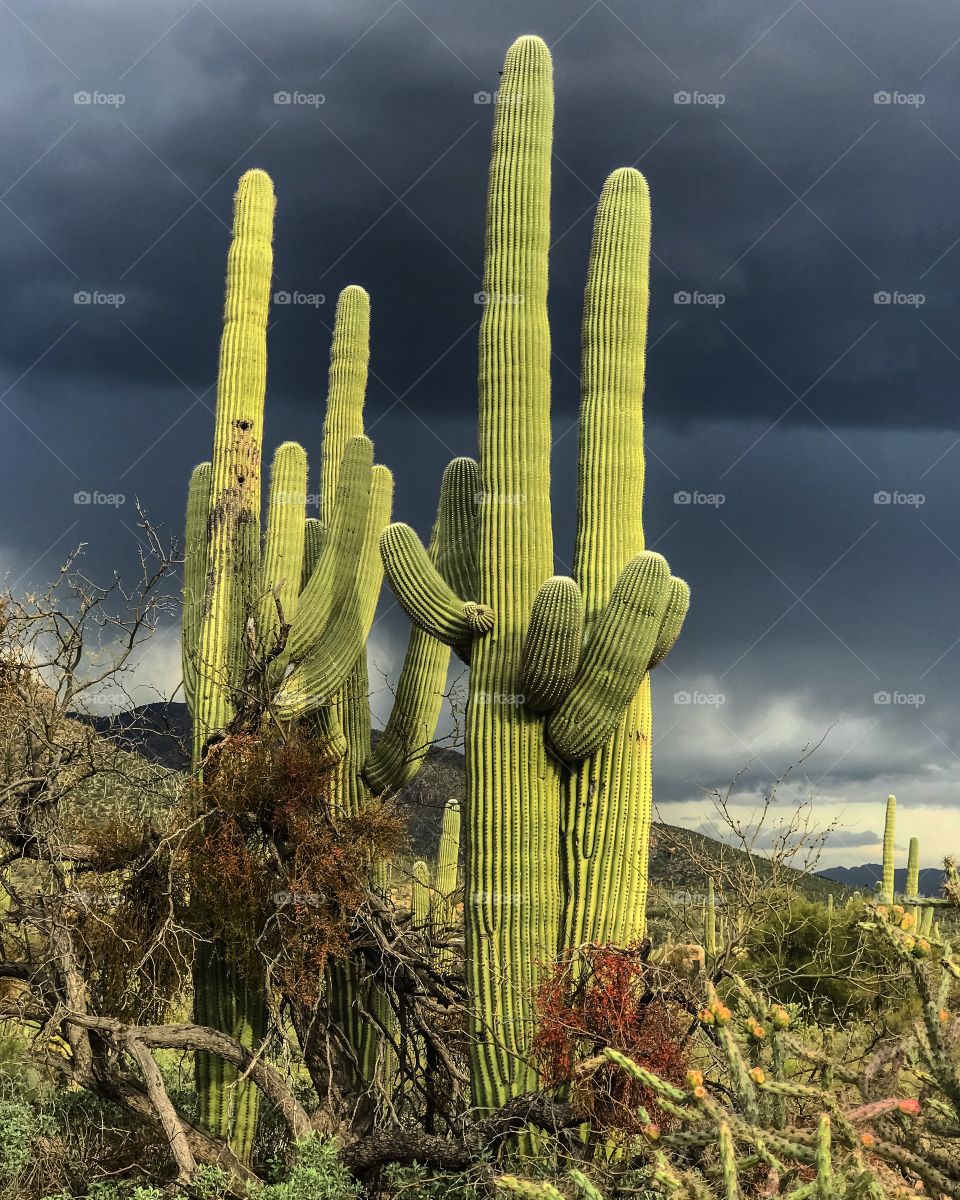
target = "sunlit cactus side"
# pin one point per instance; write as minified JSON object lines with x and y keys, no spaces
{"x":887,"y":886}
{"x":554,"y":737}
{"x":912,"y":889}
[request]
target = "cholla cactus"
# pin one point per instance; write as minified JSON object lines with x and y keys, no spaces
{"x":558,"y":720}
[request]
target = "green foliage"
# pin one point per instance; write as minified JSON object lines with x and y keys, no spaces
{"x":805,"y":955}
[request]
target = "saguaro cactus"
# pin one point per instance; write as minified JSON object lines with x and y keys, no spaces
{"x":558,"y":733}
{"x":284,"y":632}
{"x":887,"y":886}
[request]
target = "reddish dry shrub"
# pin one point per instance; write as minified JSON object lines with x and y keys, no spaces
{"x":278,"y":871}
{"x":599,"y":996}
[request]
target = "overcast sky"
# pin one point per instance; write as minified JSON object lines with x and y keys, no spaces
{"x":804,"y":163}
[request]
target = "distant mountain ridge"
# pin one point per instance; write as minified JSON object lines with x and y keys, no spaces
{"x":161,"y":733}
{"x":867,"y":876}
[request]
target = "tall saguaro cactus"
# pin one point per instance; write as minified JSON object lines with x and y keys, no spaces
{"x":558,"y":728}
{"x":889,"y":846}
{"x":284,"y":632}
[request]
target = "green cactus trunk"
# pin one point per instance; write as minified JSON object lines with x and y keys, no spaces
{"x":557,"y":732}
{"x":889,"y":847}
{"x":512,"y":903}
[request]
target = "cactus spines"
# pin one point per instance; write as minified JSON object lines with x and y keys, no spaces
{"x":889,"y":842}
{"x":346,"y":390}
{"x":728,"y":1162}
{"x":552,"y":647}
{"x":678,"y":603}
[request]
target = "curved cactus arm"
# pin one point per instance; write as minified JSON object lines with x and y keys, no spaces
{"x":194,"y":576}
{"x":234,"y":526}
{"x":404,"y":743}
{"x":553,"y":643}
{"x":331,"y":583}
{"x":889,"y":846}
{"x":425,"y":595}
{"x":318,"y":678}
{"x":678,"y":603}
{"x":284,"y":541}
{"x":615,"y":660}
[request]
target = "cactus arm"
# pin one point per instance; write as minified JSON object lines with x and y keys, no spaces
{"x":316,"y":680}
{"x":678,"y":603}
{"x":614,"y":661}
{"x":889,"y":846}
{"x":457,"y":530}
{"x":234,"y":528}
{"x":331,"y":583}
{"x":353,"y":708}
{"x":425,"y":595}
{"x":314,"y":539}
{"x":346,"y":390}
{"x":512,"y":887}
{"x":404,"y":743}
{"x":552,"y":646}
{"x":284,"y":542}
{"x":194,"y":577}
{"x":609,"y":799}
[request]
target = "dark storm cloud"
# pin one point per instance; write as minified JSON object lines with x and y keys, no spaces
{"x":785,"y":398}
